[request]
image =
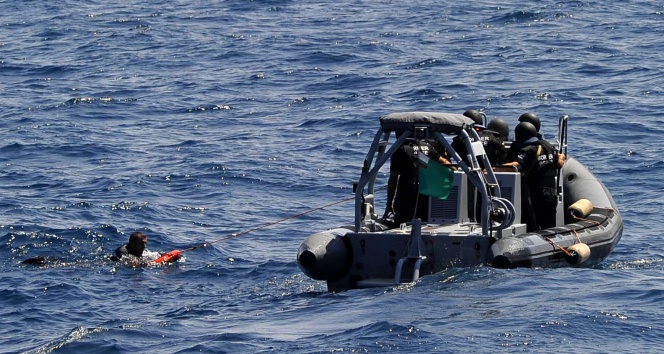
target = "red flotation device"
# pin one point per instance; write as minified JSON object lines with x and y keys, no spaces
{"x":171,"y":256}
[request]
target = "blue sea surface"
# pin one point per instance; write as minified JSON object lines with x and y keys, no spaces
{"x":193,"y":121}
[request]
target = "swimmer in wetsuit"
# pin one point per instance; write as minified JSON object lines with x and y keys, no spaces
{"x":137,"y":243}
{"x":134,"y":248}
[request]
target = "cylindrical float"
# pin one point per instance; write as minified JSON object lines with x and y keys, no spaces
{"x":578,"y":253}
{"x":581,"y":208}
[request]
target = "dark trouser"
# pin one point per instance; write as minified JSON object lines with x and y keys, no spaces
{"x":538,"y":207}
{"x":409,"y":204}
{"x":545,"y":204}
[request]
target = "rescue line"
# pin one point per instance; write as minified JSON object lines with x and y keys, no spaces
{"x":174,"y":255}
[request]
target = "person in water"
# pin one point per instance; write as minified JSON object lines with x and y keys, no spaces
{"x":135,"y":247}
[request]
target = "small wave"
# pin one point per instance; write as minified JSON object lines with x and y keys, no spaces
{"x":83,"y":100}
{"x":428,"y":64}
{"x":38,"y":71}
{"x":11,"y":148}
{"x":522,"y":16}
{"x":328,"y":58}
{"x":209,"y":108}
{"x":188,"y":312}
{"x":74,"y":335}
{"x":419,"y":92}
{"x":656,"y":263}
{"x":379,"y":335}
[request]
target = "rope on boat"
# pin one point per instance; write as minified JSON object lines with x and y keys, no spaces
{"x":555,"y":245}
{"x":591,"y":221}
{"x":563,"y":249}
{"x":578,"y":252}
{"x":582,"y":208}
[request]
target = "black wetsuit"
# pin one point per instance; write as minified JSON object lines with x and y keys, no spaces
{"x":538,"y":160}
{"x":120,"y":252}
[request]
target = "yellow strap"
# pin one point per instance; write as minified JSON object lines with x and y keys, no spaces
{"x":532,"y":164}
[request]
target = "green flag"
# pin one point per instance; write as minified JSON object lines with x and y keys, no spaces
{"x":435,"y":179}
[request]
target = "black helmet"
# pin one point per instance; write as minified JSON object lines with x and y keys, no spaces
{"x":475,"y":115}
{"x":499,"y":126}
{"x":531,"y":118}
{"x":524,"y":131}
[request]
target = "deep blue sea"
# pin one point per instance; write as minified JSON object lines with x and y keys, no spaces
{"x":194,"y":120}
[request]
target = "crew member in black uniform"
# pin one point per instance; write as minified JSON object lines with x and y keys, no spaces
{"x":533,"y":119}
{"x":493,"y":146}
{"x":403,"y":198}
{"x":538,"y":161}
{"x":500,"y":126}
{"x":137,"y":243}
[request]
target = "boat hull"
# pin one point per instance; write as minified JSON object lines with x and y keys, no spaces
{"x":601,"y":230}
{"x":385,"y":256}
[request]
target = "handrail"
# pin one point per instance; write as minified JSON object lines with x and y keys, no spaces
{"x":377,"y":157}
{"x":562,"y":134}
{"x":475,"y":175}
{"x":562,"y":147}
{"x":368,"y":174}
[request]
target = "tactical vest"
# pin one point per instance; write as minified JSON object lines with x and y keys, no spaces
{"x":414,"y":148}
{"x":543,"y":169}
{"x":493,"y":147}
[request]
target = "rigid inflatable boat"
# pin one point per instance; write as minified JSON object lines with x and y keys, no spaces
{"x":477,"y":223}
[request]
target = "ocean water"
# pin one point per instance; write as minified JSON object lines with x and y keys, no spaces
{"x":194,"y":120}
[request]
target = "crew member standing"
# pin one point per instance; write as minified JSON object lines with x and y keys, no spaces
{"x":404,"y":200}
{"x":493,"y":146}
{"x":538,"y":162}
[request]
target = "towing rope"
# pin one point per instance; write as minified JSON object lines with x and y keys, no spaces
{"x":174,"y":255}
{"x":237,"y":234}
